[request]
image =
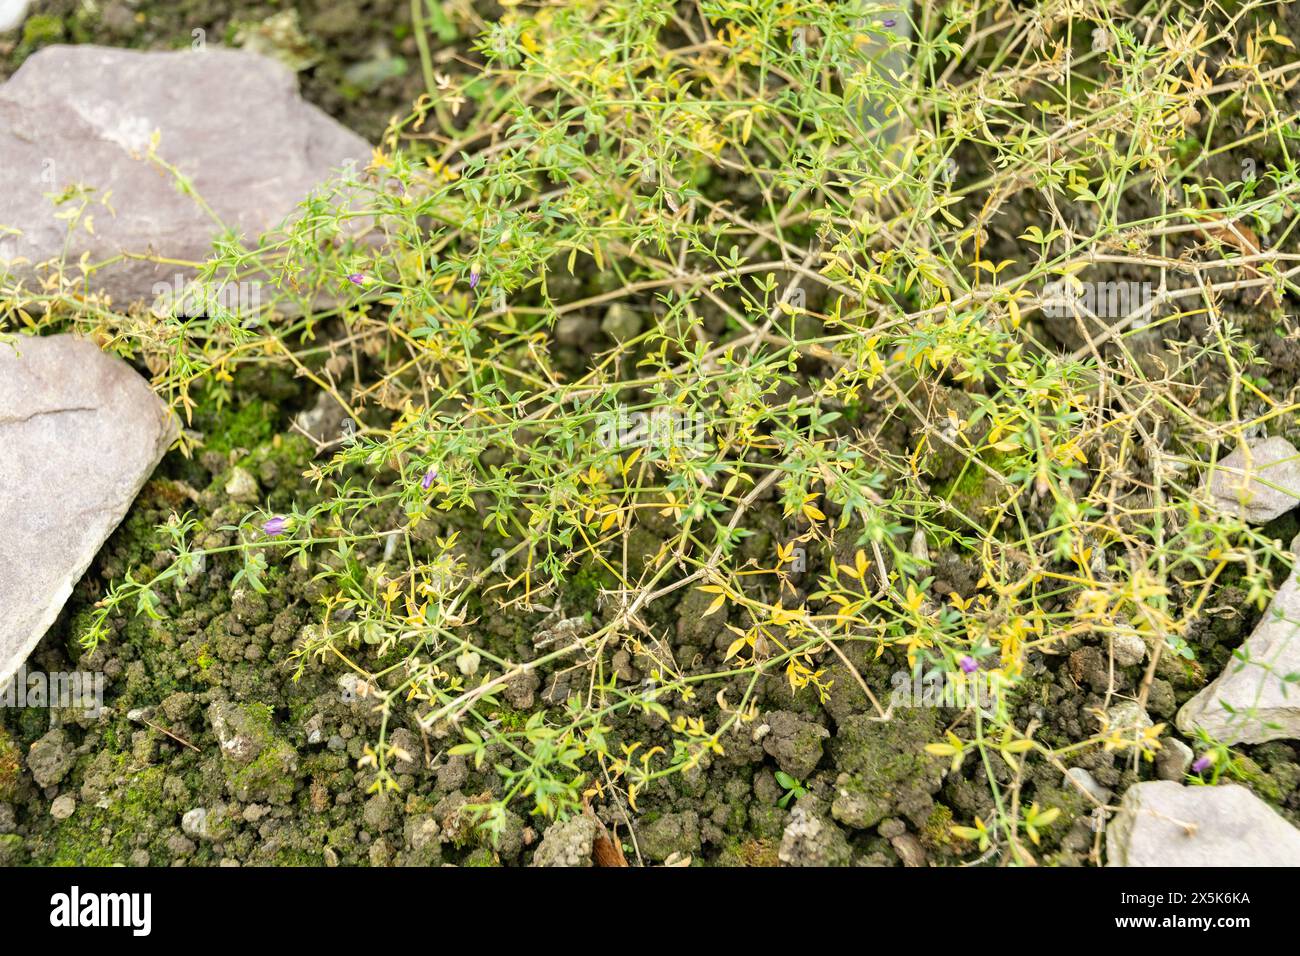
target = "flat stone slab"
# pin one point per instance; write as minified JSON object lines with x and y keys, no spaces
{"x":80,"y":433}
{"x":1257,"y":486}
{"x":1251,"y":701}
{"x":1161,"y":823}
{"x":232,"y":122}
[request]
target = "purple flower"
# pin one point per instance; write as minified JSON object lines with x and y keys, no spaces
{"x":473,"y":279}
{"x":275,"y":526}
{"x":890,"y":22}
{"x":968,"y":665}
{"x":429,"y":477}
{"x":357,"y":279}
{"x":1203,"y":763}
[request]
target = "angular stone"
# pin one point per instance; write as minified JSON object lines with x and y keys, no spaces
{"x":1161,"y":823}
{"x":80,"y":432}
{"x":1173,"y":760}
{"x":232,"y":122}
{"x":1259,"y":488}
{"x":1264,"y":705}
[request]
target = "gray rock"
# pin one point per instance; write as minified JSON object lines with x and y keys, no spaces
{"x":891,"y":828}
{"x":1129,"y":719}
{"x":232,"y":122}
{"x":1080,"y":779}
{"x":195,"y":823}
{"x":409,"y":755}
{"x":811,"y":839}
{"x":421,"y":834}
{"x":379,"y":813}
{"x":180,"y":847}
{"x":567,"y":843}
{"x":81,"y":432}
{"x":1263,"y":705}
{"x":1173,"y":759}
{"x":240,"y":732}
{"x":315,"y":729}
{"x":260,"y":765}
{"x":50,"y":758}
{"x":576,"y":330}
{"x":1130,"y":650}
{"x":325,"y":421}
{"x":1259,"y":489}
{"x":796,"y":743}
{"x":64,"y":806}
{"x":669,"y":834}
{"x":909,"y":850}
{"x":621,"y":322}
{"x":242,"y":487}
{"x":1161,"y":823}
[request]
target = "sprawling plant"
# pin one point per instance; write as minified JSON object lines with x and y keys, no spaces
{"x":834,"y":249}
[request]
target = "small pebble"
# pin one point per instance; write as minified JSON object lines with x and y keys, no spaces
{"x":63,"y":807}
{"x":1173,"y":759}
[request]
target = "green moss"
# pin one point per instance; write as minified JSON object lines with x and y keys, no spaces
{"x":42,"y":28}
{"x":973,"y":491}
{"x":511,"y":719}
{"x":105,"y":836}
{"x":584,"y":587}
{"x":937,"y":832}
{"x":481,"y":857}
{"x":247,"y":427}
{"x":887,"y":767}
{"x":136,"y":542}
{"x":751,"y":853}
{"x":272,"y":775}
{"x":1253,"y":776}
{"x":153,"y":645}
